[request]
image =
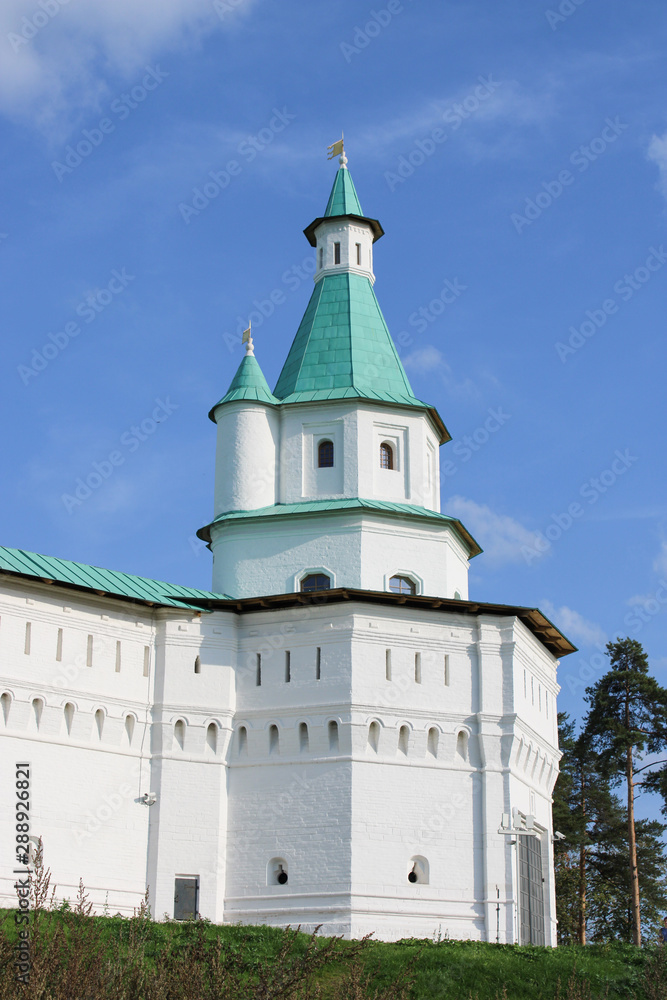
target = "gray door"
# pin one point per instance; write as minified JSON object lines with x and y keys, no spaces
{"x":186,"y":898}
{"x":531,"y":893}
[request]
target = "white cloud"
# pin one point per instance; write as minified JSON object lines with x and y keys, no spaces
{"x":574,"y":625}
{"x":660,"y":561}
{"x":428,"y":360}
{"x":57,"y":64}
{"x":501,"y":537}
{"x":657,"y":152}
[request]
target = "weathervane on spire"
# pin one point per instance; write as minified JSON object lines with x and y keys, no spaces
{"x":247,"y":340}
{"x":338,"y":149}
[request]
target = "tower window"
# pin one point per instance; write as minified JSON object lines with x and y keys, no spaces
{"x":147,"y":660}
{"x":386,"y":456}
{"x":288,"y":667}
{"x":117,"y":668}
{"x":179,"y":733}
{"x":403,"y":739}
{"x":59,"y":645}
{"x":315,"y":581}
{"x":243,"y":740}
{"x":374,"y":736}
{"x":318,"y":664}
{"x":325,"y":455}
{"x":28,"y":636}
{"x":358,"y":245}
{"x":89,"y":651}
{"x":336,"y":253}
{"x":258,"y":671}
{"x":432,"y":742}
{"x":321,"y":257}
{"x":387,"y":664}
{"x":402,"y":585}
{"x":212,"y":737}
{"x":197,"y":664}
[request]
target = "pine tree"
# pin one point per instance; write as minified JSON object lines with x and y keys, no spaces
{"x":582,"y":796}
{"x":627,"y":719}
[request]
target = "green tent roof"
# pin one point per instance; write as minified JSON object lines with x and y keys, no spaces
{"x":107,"y":582}
{"x":343,"y":348}
{"x":248,"y":383}
{"x":343,"y":199}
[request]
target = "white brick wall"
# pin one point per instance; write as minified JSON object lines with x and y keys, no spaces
{"x":345,"y":819}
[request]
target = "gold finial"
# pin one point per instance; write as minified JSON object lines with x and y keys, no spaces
{"x":247,"y":340}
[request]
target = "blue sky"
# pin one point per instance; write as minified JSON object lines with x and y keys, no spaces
{"x":516,"y":151}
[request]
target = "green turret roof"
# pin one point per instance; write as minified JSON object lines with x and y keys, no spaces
{"x":343,"y":350}
{"x":248,"y":383}
{"x":343,"y":199}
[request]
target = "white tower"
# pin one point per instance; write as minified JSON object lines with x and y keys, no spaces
{"x":336,"y":473}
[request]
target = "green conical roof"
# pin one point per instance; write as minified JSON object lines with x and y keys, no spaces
{"x":343,"y":199}
{"x":343,"y":348}
{"x":248,"y":383}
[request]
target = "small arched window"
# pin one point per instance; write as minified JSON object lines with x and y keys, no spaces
{"x":38,"y":708}
{"x":333,"y":736}
{"x":432,"y":743}
{"x":277,"y":872}
{"x":403,"y":739}
{"x":325,"y":455}
{"x":6,"y":701}
{"x":386,"y":456}
{"x":315,"y":581}
{"x":243,"y":740}
{"x":99,"y":722}
{"x":462,"y":745}
{"x":129,"y":728}
{"x":418,"y":873}
{"x":68,"y":712}
{"x":212,"y":737}
{"x":402,"y":585}
{"x":179,"y":733}
{"x":274,"y":740}
{"x":303,"y":737}
{"x":374,"y":736}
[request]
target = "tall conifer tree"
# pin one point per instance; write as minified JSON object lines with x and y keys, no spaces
{"x":627,"y":718}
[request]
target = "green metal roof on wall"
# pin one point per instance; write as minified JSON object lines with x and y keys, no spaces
{"x":108,"y":582}
{"x":248,"y":383}
{"x":343,"y":199}
{"x":334,"y":506}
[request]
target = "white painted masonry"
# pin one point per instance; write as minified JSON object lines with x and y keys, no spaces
{"x":341,"y":758}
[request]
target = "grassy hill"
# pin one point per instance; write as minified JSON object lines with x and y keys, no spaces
{"x":90,"y":958}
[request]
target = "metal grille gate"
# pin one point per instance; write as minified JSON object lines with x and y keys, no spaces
{"x":531,"y":894}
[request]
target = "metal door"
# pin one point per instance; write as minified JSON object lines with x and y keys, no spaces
{"x":531,"y":894}
{"x":186,"y":898}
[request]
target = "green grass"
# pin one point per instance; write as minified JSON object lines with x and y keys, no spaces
{"x":448,"y":969}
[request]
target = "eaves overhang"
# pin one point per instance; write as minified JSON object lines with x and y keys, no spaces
{"x":533,"y":619}
{"x":376,"y":228}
